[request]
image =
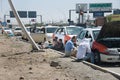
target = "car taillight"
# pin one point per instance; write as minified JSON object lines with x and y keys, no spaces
{"x":66,"y":38}
{"x":100,"y":47}
{"x":53,"y":36}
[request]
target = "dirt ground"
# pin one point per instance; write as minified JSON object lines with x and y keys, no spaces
{"x":17,"y":62}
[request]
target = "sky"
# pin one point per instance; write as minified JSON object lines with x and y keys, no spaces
{"x":51,"y":10}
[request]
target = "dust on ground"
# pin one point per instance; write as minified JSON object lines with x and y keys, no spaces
{"x":17,"y":62}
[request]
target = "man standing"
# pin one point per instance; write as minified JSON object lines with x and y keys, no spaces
{"x":84,"y":51}
{"x":69,"y":47}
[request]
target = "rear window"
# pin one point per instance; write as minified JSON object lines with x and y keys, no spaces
{"x":50,"y":30}
{"x":73,"y":30}
{"x":110,"y":42}
{"x":18,"y":29}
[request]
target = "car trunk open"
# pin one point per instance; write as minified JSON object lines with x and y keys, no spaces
{"x":110,"y":35}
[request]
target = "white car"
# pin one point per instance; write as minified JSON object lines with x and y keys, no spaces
{"x":91,"y":32}
{"x":17,"y":31}
{"x":49,"y":30}
{"x":8,"y":31}
{"x":67,"y":32}
{"x":106,"y":46}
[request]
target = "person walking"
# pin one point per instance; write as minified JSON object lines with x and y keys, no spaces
{"x":84,"y":51}
{"x":69,"y":46}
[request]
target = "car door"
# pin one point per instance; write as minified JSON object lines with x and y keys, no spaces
{"x":81,"y":36}
{"x":60,"y":33}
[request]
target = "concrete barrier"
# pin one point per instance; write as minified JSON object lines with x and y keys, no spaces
{"x":117,"y":75}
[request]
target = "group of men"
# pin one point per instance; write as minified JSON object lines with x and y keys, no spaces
{"x":83,"y":50}
{"x":57,"y":44}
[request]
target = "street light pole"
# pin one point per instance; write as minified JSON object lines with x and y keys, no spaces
{"x":40,"y":18}
{"x":35,"y":46}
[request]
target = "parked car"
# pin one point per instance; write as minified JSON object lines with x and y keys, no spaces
{"x":66,"y":32}
{"x":91,"y":32}
{"x":8,"y":31}
{"x":17,"y":31}
{"x":106,"y":47}
{"x":49,"y":30}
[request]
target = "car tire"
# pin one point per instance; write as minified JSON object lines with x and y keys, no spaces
{"x":97,"y":58}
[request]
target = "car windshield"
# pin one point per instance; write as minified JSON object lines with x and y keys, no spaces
{"x":95,"y":33}
{"x":50,"y":30}
{"x":73,"y":30}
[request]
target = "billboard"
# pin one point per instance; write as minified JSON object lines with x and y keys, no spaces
{"x":22,"y":14}
{"x":105,"y":7}
{"x":32,"y":14}
{"x":81,"y":7}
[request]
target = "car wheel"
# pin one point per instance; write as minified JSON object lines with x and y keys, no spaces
{"x":97,"y":58}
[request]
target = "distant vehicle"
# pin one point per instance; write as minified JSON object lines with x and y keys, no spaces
{"x":49,"y":30}
{"x":106,"y":46}
{"x":39,"y":36}
{"x":91,"y":32}
{"x":17,"y":31}
{"x":8,"y":31}
{"x":66,"y":32}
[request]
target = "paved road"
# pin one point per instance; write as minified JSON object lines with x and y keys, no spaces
{"x":112,"y":66}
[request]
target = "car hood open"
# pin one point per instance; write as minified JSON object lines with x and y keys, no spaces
{"x":109,"y":30}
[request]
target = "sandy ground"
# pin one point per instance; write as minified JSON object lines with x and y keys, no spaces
{"x":17,"y":62}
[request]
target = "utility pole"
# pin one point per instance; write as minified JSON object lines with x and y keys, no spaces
{"x":40,"y":18}
{"x":35,"y":46}
{"x":70,"y":15}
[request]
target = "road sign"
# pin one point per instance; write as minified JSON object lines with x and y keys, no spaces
{"x":32,"y":14}
{"x":98,"y":14}
{"x":105,"y":7}
{"x":22,"y":14}
{"x":81,"y":7}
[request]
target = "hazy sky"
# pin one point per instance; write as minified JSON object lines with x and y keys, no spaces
{"x":51,"y":10}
